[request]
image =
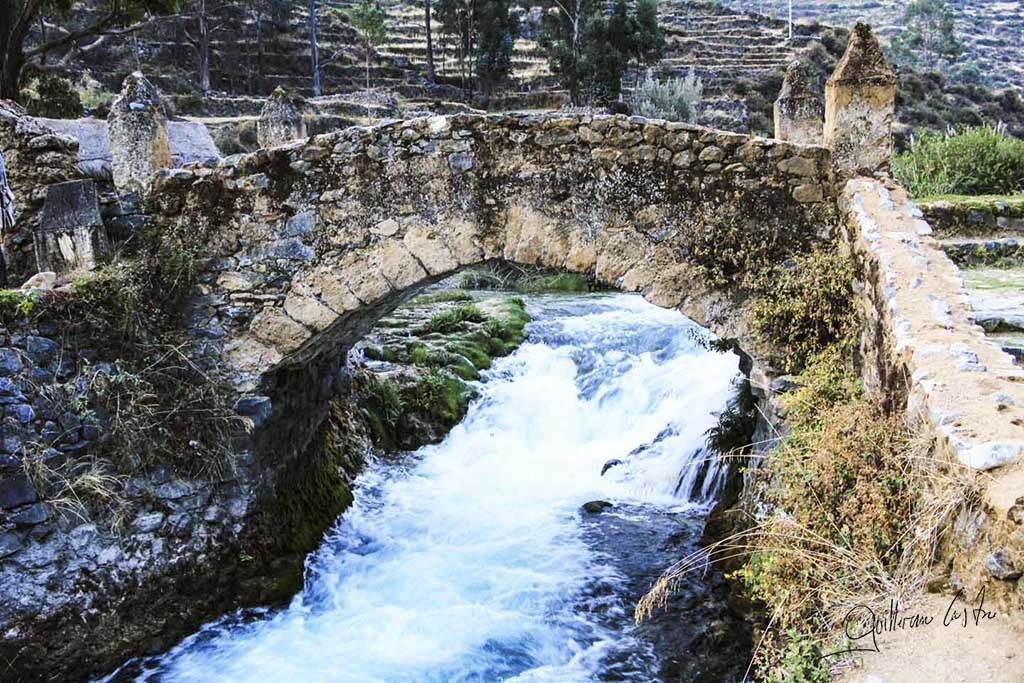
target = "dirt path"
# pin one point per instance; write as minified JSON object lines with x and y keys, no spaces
{"x":989,"y":651}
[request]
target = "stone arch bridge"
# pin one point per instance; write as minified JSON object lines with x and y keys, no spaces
{"x":312,"y":240}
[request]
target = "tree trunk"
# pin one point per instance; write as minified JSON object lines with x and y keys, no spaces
{"x":431,"y":76}
{"x":204,"y":51}
{"x":314,"y":52}
{"x":12,"y":59}
{"x":10,"y":77}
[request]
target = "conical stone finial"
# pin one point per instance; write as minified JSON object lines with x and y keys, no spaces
{"x":860,"y":104}
{"x":137,"y":126}
{"x":798,"y":111}
{"x":280,"y":120}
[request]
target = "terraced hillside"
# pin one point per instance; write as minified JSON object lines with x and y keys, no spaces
{"x":992,"y":30}
{"x":249,"y":56}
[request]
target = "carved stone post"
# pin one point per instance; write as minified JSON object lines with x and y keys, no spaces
{"x":860,"y":104}
{"x":137,"y":127}
{"x":71,"y":235}
{"x":280,"y":120}
{"x":799,"y":111}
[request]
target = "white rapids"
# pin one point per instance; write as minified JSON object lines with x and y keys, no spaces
{"x":466,"y":560}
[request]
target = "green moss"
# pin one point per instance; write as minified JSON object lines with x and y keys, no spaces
{"x":442,"y":296}
{"x":474,"y":351}
{"x":453,"y":319}
{"x":560,"y":282}
{"x":438,"y":395}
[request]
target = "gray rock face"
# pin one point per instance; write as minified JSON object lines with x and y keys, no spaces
{"x":280,"y":121}
{"x":137,"y":126}
{"x":72,"y":235}
{"x":1001,"y":565}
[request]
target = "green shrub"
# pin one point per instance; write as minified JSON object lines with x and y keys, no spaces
{"x":674,"y":100}
{"x":801,"y":662}
{"x":52,"y":97}
{"x":974,"y":160}
{"x":806,"y":306}
{"x":734,"y":432}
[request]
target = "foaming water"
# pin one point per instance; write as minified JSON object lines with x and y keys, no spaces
{"x":470,"y":560}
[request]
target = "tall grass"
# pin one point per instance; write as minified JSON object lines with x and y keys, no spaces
{"x":969,"y":161}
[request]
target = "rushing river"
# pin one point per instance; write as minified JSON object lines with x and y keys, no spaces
{"x":472,"y":560}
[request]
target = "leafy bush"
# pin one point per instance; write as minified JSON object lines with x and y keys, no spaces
{"x":674,"y":100}
{"x":52,"y":97}
{"x":806,"y":306}
{"x":972,"y":161}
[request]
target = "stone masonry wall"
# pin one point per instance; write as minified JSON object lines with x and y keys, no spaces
{"x":34,"y":157}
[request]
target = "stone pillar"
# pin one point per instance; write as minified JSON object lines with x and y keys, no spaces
{"x":71,"y":235}
{"x":799,"y":112}
{"x":280,"y":121}
{"x":137,"y":126}
{"x":860,"y":104}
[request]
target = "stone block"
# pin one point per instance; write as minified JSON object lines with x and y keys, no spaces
{"x":137,"y":126}
{"x":860,"y":106}
{"x":281,"y":120}
{"x":71,"y":235}
{"x":799,"y":112}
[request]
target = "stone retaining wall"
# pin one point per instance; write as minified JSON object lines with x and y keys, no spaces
{"x":921,"y":346}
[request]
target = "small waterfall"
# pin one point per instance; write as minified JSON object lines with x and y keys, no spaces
{"x":472,"y":561}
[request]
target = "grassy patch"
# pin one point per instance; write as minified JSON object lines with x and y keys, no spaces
{"x":453,"y":319}
{"x":975,"y":160}
{"x":1013,"y":203}
{"x":442,"y":296}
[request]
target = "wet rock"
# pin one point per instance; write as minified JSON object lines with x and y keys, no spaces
{"x":596,"y":507}
{"x":610,"y":464}
{"x":148,"y":522}
{"x":256,"y":408}
{"x":10,"y":543}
